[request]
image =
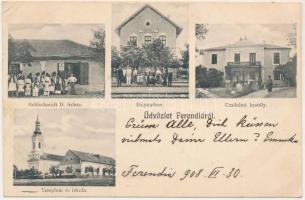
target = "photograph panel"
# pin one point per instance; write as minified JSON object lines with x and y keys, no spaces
{"x":64,"y":147}
{"x":246,"y":60}
{"x":150,"y":50}
{"x":56,"y":60}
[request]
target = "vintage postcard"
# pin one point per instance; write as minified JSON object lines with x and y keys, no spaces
{"x":152,"y":99}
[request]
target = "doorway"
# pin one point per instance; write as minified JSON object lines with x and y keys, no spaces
{"x":79,"y":70}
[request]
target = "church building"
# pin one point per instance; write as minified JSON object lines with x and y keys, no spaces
{"x":38,"y":159}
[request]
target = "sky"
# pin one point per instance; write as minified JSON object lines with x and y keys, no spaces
{"x":177,"y":12}
{"x":87,"y":130}
{"x":222,"y":34}
{"x":81,"y":33}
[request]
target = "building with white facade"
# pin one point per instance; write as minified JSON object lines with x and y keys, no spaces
{"x":245,"y":61}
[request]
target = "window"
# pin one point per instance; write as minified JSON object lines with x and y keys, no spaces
{"x":277,"y":75}
{"x":237,"y":57}
{"x":33,"y":145}
{"x":14,"y":68}
{"x":252,"y":75}
{"x":276,"y":58}
{"x":60,"y":66}
{"x":39,"y":145}
{"x":214,"y":59}
{"x":133,"y":40}
{"x":147,"y":39}
{"x":252,"y":58}
{"x":163,"y":39}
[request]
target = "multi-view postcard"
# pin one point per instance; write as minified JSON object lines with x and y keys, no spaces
{"x":152,"y":99}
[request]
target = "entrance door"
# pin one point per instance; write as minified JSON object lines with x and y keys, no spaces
{"x":73,"y":68}
{"x":84,"y":73}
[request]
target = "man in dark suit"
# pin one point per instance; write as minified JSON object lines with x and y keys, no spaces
{"x":120,"y":76}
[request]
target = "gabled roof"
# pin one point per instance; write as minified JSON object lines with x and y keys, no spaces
{"x":51,"y":157}
{"x":178,"y":28}
{"x":95,"y":158}
{"x":246,"y":43}
{"x":58,"y":49}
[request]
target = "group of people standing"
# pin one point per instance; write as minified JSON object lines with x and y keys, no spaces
{"x":129,"y":75}
{"x":41,"y":84}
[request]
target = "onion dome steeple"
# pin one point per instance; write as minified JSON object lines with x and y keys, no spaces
{"x":37,"y":127}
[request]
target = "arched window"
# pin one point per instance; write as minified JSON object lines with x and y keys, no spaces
{"x":133,"y":40}
{"x":147,"y":39}
{"x":163,"y":39}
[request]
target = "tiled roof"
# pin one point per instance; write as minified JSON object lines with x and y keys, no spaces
{"x":178,"y":28}
{"x":52,"y":157}
{"x":95,"y":158}
{"x":58,"y":49}
{"x":246,"y":43}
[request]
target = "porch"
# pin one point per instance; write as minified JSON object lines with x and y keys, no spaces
{"x":244,"y":72}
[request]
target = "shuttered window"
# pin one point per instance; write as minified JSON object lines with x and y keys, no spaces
{"x":252,"y":58}
{"x":214,"y":59}
{"x":237,"y":57}
{"x":276,"y":58}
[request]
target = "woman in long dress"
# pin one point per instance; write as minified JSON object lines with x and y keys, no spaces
{"x":58,"y":84}
{"x":47,"y":83}
{"x":20,"y":84}
{"x":12,"y":86}
{"x":35,"y":89}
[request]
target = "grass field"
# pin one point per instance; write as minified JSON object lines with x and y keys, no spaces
{"x":90,"y":181}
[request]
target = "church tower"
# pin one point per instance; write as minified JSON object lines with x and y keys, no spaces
{"x":37,"y":146}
